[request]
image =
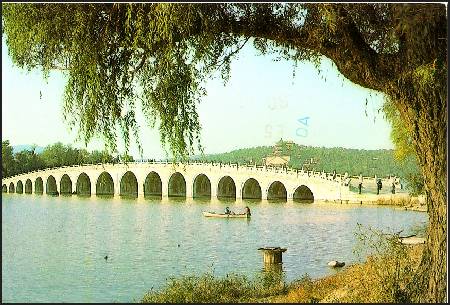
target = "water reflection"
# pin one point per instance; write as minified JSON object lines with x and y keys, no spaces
{"x":304,"y":200}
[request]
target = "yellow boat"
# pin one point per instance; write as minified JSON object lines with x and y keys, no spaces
{"x":214,"y":214}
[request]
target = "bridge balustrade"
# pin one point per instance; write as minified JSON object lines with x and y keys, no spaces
{"x":287,"y":171}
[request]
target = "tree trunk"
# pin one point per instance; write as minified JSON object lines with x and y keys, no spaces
{"x":428,"y":117}
{"x":432,"y":273}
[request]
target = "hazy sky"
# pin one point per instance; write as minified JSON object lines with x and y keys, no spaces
{"x":261,"y":103}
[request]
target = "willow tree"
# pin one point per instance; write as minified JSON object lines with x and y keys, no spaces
{"x":161,"y":54}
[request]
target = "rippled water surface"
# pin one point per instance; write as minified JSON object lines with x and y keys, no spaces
{"x":53,"y":248}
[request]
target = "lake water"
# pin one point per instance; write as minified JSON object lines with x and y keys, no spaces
{"x":53,"y":248}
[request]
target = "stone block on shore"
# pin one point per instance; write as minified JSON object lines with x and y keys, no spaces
{"x":335,"y":264}
{"x":412,"y":240}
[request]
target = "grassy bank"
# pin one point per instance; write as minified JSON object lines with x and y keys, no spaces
{"x":207,"y":288}
{"x":386,"y":275}
{"x":379,"y":279}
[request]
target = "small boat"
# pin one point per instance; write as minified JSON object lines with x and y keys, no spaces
{"x":214,"y":214}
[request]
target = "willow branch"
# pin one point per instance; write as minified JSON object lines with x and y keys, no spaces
{"x":353,"y":57}
{"x":220,"y":63}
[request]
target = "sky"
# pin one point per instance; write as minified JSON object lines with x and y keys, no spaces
{"x":261,"y":103}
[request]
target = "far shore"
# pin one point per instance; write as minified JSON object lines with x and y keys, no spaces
{"x":400,"y":201}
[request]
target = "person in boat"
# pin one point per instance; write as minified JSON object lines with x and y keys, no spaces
{"x":227,"y":211}
{"x":247,"y":211}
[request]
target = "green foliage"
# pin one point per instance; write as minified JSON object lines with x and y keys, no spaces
{"x":28,"y":161}
{"x":99,"y":157}
{"x":208,"y":289}
{"x":113,"y":55}
{"x":425,"y":79}
{"x":393,"y":267}
{"x":401,"y":135}
{"x":127,"y":158}
{"x":416,"y":183}
{"x":54,"y":155}
{"x":8,"y":162}
{"x":23,"y":161}
{"x":58,"y":154}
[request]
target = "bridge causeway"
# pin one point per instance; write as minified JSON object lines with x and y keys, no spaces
{"x":194,"y":179}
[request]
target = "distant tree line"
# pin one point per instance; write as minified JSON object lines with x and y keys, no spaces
{"x":54,"y":155}
{"x":381,"y":162}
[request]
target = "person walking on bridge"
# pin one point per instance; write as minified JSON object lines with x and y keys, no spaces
{"x":392,"y":181}
{"x":360,"y":183}
{"x":345,"y":179}
{"x":379,"y":186}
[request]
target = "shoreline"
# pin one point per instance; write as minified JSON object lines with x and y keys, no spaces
{"x":342,"y":286}
{"x":383,"y":277}
{"x":402,"y":201}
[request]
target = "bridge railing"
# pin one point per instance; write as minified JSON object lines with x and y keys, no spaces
{"x":232,"y":165}
{"x":273,"y":169}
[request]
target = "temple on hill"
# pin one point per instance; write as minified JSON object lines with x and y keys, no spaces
{"x":281,"y":154}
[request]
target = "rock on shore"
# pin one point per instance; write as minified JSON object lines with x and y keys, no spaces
{"x":335,"y":264}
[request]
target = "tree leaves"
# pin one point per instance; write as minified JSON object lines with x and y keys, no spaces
{"x":162,"y":53}
{"x":54,"y":155}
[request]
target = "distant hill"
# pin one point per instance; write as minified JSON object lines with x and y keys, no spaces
{"x":18,"y":148}
{"x":379,"y":162}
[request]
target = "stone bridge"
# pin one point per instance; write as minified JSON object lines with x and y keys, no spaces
{"x":142,"y":179}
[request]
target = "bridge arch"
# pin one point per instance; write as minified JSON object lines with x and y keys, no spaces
{"x":4,"y":188}
{"x":104,"y":185}
{"x":12,"y":189}
{"x":153,"y":185}
{"x":277,"y":191}
{"x":39,"y":186}
{"x":251,"y":189}
{"x":201,"y":186}
{"x":303,"y":194}
{"x":83,"y":186}
{"x":65,"y":185}
{"x":19,"y":187}
{"x":226,"y":188}
{"x":28,"y":186}
{"x":177,"y":185}
{"x":51,"y":187}
{"x":129,"y":185}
